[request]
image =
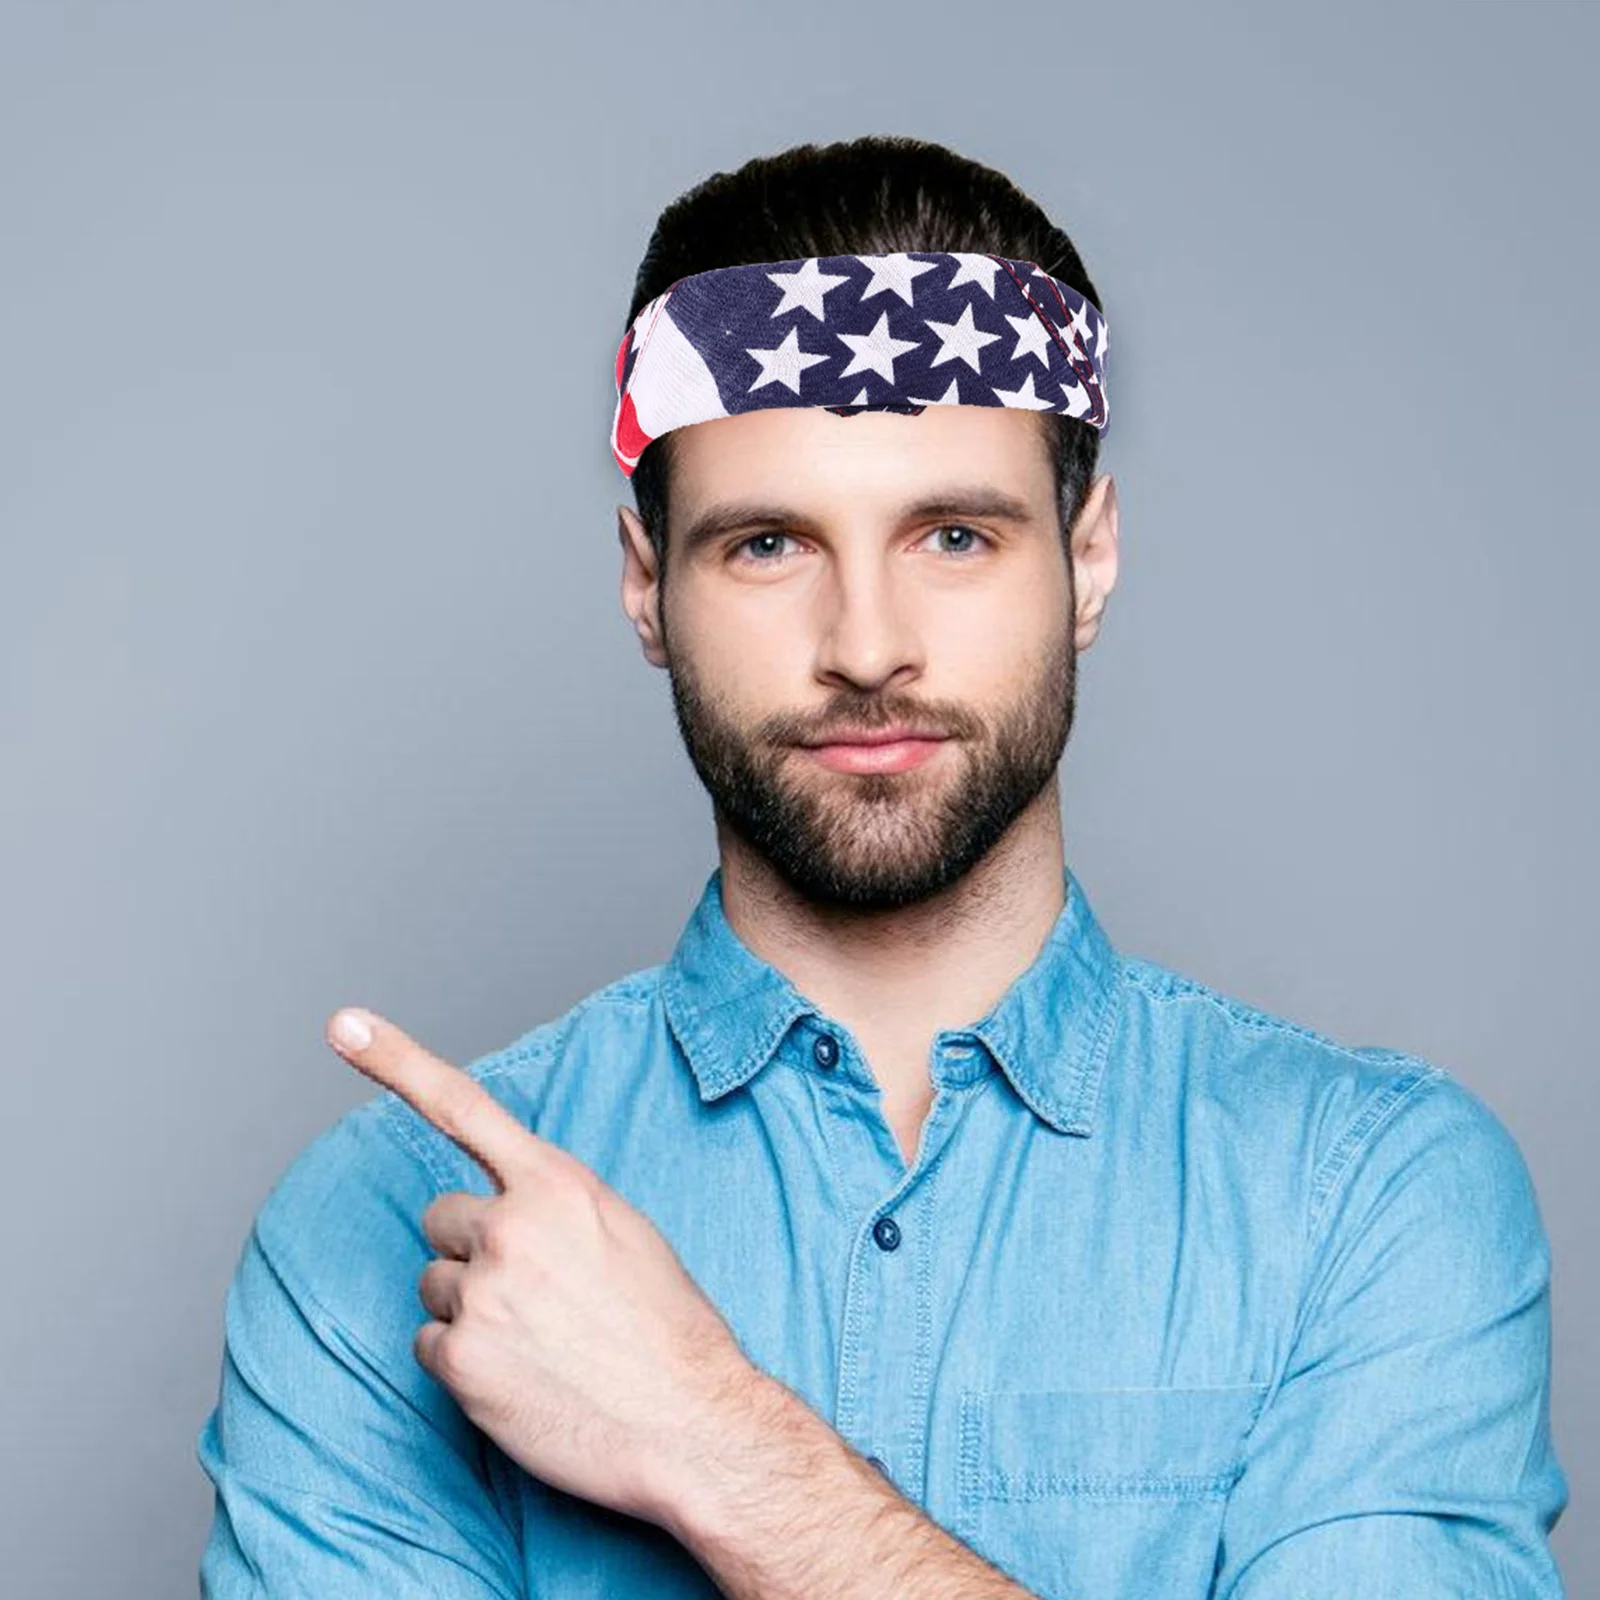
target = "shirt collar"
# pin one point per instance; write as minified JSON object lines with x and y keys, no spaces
{"x":1049,"y":1031}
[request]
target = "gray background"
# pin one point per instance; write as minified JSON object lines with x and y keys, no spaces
{"x":316,"y":686}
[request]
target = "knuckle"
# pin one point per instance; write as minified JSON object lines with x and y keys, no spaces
{"x":431,"y":1288}
{"x":447,"y":1359}
{"x":431,"y":1221}
{"x":497,"y":1234}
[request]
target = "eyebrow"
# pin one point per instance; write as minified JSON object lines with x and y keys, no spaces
{"x":718,"y":520}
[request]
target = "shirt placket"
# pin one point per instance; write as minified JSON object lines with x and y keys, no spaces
{"x":887,"y":1335}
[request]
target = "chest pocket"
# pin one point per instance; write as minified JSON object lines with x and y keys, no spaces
{"x":1078,"y":1492}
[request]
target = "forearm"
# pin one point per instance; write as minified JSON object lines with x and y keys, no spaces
{"x":786,"y":1510}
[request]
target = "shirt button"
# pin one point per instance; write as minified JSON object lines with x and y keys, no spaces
{"x":826,"y":1050}
{"x":887,"y":1232}
{"x":880,"y":1464}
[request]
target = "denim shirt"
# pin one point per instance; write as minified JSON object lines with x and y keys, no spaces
{"x":1176,"y":1299}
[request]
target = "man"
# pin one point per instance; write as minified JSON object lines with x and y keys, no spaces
{"x":1035,"y":1267}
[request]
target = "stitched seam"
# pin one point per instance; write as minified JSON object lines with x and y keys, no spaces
{"x":501,"y":1066}
{"x":538,"y":1049}
{"x":1380,"y":1108}
{"x":1250,"y":1386}
{"x":1171,"y":987}
{"x":720,"y":1077}
{"x":923,"y":1313}
{"x":1113,"y":1485}
{"x":819,"y":1094}
{"x":630,"y":989}
{"x":781,"y":1024}
{"x":708,"y":1039}
{"x":406,"y":1136}
{"x":1113,"y":1010}
{"x":970,"y":1488}
{"x":972,"y":1093}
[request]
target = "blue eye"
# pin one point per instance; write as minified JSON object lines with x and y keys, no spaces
{"x":755,"y":538}
{"x":944,"y":527}
{"x":960,"y":527}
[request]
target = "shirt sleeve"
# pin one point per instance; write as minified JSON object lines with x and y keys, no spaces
{"x":1407,"y":1448}
{"x":341,"y":1467}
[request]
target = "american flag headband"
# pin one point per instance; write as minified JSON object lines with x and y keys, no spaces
{"x":858,"y":333}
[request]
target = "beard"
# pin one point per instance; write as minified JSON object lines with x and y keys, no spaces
{"x":880,"y":841}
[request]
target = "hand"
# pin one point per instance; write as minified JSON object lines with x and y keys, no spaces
{"x":567,"y":1329}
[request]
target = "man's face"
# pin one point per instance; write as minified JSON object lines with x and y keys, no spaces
{"x":834,"y":575}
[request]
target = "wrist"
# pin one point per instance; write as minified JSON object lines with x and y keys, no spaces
{"x":747,"y":1439}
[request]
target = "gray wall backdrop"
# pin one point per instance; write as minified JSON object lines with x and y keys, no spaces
{"x":316,"y":686}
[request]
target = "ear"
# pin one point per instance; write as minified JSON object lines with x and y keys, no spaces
{"x":641,"y":587}
{"x":1094,"y":558}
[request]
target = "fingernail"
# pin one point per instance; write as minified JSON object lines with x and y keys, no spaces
{"x":352,"y":1029}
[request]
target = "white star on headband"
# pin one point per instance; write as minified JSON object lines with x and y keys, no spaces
{"x":805,"y":288}
{"x":893,"y":272}
{"x":1024,"y":398}
{"x":1080,"y":326}
{"x":785,"y":364}
{"x":1077,"y":397}
{"x":1033,"y":338}
{"x":951,"y":396}
{"x":960,"y":340}
{"x":876,"y":351}
{"x":974,"y":269}
{"x":641,"y":324}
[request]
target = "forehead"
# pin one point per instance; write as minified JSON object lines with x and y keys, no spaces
{"x":813,"y":458}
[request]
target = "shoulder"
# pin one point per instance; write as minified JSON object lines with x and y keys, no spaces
{"x":1345,"y":1120}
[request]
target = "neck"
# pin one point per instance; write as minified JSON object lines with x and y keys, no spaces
{"x":895,"y":978}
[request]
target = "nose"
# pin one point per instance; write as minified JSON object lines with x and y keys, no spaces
{"x":868,"y":632}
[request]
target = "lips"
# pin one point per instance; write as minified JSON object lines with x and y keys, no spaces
{"x":885,"y":736}
{"x":878,"y":756}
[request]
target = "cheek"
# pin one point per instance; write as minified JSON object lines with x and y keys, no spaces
{"x":745,"y":665}
{"x":994,"y":635}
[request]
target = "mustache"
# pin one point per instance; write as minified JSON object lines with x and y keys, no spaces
{"x":847,"y":721}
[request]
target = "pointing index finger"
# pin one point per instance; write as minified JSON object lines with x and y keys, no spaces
{"x":454,"y":1102}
